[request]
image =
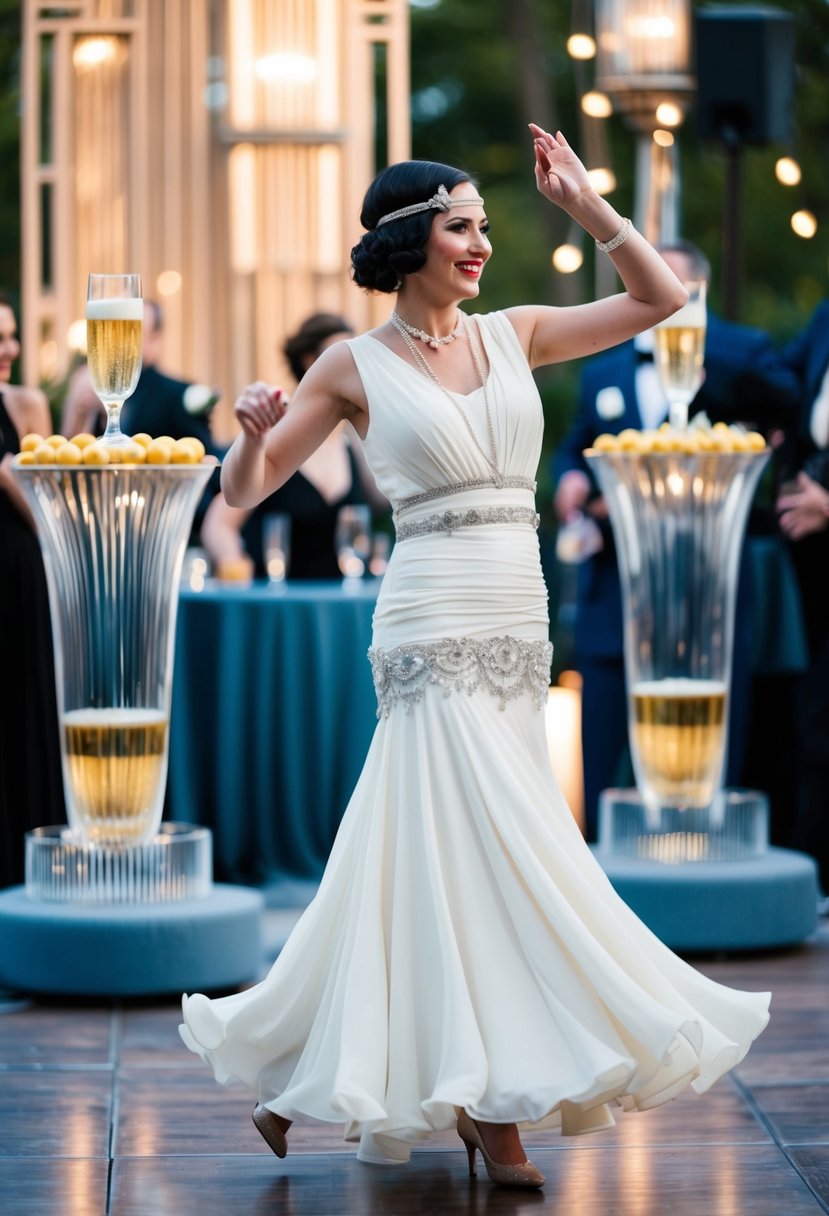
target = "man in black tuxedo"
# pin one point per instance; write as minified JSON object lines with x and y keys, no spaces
{"x":804,"y":518}
{"x":620,"y":389}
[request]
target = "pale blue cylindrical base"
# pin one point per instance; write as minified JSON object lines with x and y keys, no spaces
{"x":757,"y":903}
{"x":205,"y":944}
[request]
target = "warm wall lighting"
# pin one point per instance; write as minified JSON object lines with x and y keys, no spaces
{"x":168,"y":282}
{"x":92,"y":52}
{"x":603,"y":181}
{"x":597,"y":105}
{"x":669,"y":114}
{"x":581,"y":46}
{"x":76,"y":337}
{"x":665,"y":139}
{"x":787,"y":171}
{"x":287,"y":68}
{"x":804,"y":224}
{"x":567,"y":258}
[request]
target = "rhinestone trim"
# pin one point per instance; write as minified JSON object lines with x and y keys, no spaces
{"x":458,"y":487}
{"x":505,"y":667}
{"x":450,"y":521}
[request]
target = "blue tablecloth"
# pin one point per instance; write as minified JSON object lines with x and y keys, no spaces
{"x":273,"y":712}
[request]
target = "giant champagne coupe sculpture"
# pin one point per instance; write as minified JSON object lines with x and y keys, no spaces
{"x":678,"y":519}
{"x":113,"y":532}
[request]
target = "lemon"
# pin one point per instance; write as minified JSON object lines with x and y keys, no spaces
{"x":143,"y":438}
{"x":83,"y":439}
{"x":158,"y":453}
{"x":68,"y":453}
{"x":166,"y":439}
{"x":605,"y":443}
{"x":95,"y":453}
{"x":56,"y":440}
{"x":756,"y":442}
{"x":44,"y":453}
{"x":25,"y":458}
{"x":135,"y":453}
{"x":31,"y":441}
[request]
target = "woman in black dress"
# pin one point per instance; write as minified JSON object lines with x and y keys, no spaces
{"x":31,"y":786}
{"x":333,"y":477}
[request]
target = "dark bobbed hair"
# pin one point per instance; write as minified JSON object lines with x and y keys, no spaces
{"x":309,"y":337}
{"x":699,"y":264}
{"x":383,"y":256}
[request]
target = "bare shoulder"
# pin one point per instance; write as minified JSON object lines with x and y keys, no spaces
{"x":28,"y":408}
{"x":336,"y":370}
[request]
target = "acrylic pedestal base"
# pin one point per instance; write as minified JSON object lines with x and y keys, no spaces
{"x":131,"y":922}
{"x":756,"y":898}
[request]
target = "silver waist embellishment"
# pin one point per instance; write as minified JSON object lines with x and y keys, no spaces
{"x":506,"y":667}
{"x":450,"y":521}
{"x":458,"y":487}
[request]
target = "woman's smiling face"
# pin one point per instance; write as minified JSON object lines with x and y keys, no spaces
{"x":458,"y":246}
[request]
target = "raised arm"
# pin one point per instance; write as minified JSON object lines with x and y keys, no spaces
{"x":652,"y":290}
{"x":277,"y":437}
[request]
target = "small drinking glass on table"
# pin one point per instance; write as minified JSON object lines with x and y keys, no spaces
{"x":276,"y":546}
{"x":352,"y":539}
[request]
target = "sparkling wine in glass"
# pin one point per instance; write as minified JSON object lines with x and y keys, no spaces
{"x":678,"y":350}
{"x":114,"y":341}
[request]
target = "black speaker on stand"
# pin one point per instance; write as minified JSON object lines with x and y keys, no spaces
{"x":745,"y":89}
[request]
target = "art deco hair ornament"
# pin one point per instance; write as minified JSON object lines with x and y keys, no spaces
{"x":441,"y":201}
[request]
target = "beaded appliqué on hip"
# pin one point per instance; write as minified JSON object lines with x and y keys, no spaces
{"x":506,"y":667}
{"x":450,"y":521}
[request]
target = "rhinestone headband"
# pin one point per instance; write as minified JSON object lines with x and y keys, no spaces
{"x":438,"y":202}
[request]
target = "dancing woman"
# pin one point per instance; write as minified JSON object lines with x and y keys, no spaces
{"x":466,"y":962}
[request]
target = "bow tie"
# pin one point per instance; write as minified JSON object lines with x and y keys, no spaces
{"x":642,"y":356}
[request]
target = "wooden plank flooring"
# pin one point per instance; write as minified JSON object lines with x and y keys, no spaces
{"x":104,"y":1113}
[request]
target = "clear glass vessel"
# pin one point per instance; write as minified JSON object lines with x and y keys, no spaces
{"x":678,"y":521}
{"x":113,"y":539}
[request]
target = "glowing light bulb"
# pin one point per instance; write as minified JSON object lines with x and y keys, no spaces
{"x":669,"y":114}
{"x":787,"y":171}
{"x":168,"y":282}
{"x":665,"y":139}
{"x":295,"y":69}
{"x":602,"y":180}
{"x":581,"y":46}
{"x":804,"y":224}
{"x":597,"y":105}
{"x":567,"y":258}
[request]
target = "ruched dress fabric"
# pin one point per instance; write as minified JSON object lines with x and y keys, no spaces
{"x":465,"y":949}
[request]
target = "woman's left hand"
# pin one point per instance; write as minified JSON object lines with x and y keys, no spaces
{"x":806,"y":510}
{"x":559,"y":174}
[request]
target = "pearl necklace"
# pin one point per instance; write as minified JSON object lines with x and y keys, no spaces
{"x":425,"y":369}
{"x":430,"y":339}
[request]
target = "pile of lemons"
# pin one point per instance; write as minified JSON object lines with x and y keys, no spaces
{"x":717,"y":438}
{"x":86,"y":449}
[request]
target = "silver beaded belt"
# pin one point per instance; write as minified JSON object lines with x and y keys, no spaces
{"x":450,"y":521}
{"x":458,"y":487}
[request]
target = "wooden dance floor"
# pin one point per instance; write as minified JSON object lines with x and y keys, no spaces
{"x":104,"y":1113}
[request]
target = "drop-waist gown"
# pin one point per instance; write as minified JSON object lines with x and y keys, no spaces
{"x":465,"y":949}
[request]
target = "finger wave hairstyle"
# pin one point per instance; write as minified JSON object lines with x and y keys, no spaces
{"x":384,"y":256}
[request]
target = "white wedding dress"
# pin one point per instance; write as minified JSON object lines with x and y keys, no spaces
{"x":465,"y":949}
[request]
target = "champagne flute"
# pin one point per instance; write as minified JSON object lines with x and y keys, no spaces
{"x":678,"y":349}
{"x":114,"y":341}
{"x":352,"y":539}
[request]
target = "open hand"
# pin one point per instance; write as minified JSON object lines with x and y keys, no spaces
{"x":559,"y":174}
{"x":806,"y":510}
{"x":259,"y":407}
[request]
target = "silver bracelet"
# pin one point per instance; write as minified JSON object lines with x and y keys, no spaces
{"x":617,"y":240}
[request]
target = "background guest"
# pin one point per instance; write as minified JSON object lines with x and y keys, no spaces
{"x":31,"y":784}
{"x":335,"y":475}
{"x":804,"y":519}
{"x":619,"y":389}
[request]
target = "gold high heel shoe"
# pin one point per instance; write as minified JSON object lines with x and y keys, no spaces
{"x":265,"y":1123}
{"x":524,"y":1175}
